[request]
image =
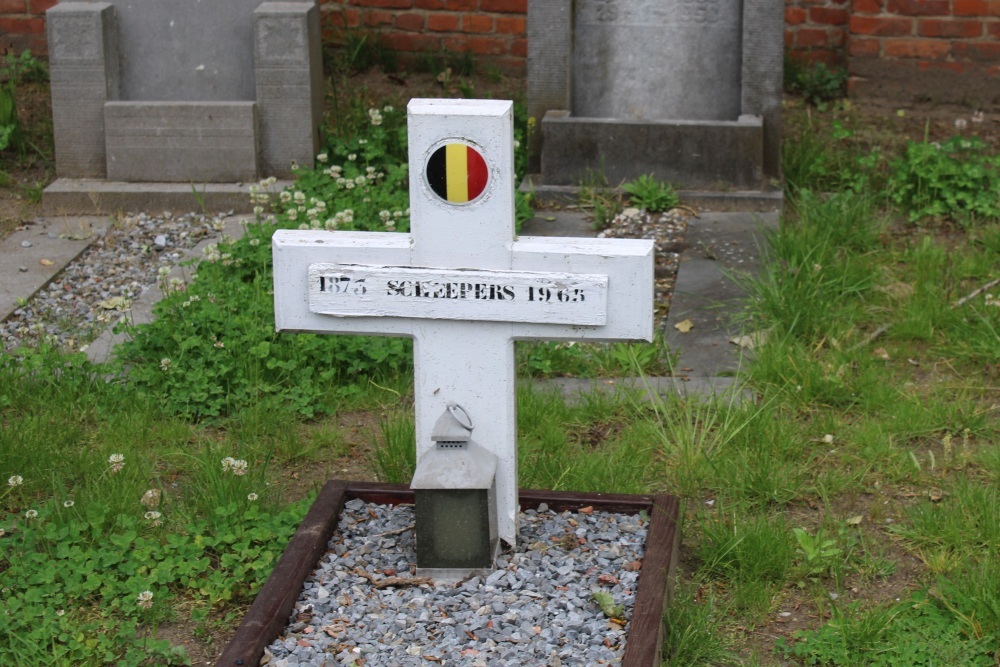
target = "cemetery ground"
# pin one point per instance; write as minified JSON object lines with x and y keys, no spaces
{"x":848,"y":515}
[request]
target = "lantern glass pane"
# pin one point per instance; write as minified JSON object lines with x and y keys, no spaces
{"x":453,"y":528}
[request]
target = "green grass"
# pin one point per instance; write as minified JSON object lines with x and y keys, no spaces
{"x":864,"y":467}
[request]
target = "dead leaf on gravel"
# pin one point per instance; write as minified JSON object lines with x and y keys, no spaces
{"x":114,"y":303}
{"x":684,"y":326}
{"x":46,"y":262}
{"x":854,"y":520}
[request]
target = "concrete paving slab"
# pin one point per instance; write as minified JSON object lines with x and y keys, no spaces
{"x":721,"y":247}
{"x":34,"y":255}
{"x":764,"y":201}
{"x":72,"y":196}
{"x":141,"y":311}
{"x":648,"y":389}
{"x":559,"y":223}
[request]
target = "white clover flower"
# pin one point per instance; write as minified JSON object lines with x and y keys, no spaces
{"x":961,"y":123}
{"x":388,"y":108}
{"x":219,"y":344}
{"x":397,"y":214}
{"x":322,"y":157}
{"x":153,"y":516}
{"x":117,"y":461}
{"x":252,"y":497}
{"x":254,"y":242}
{"x":828,"y":438}
{"x":227,"y":463}
{"x":352,"y":157}
{"x":293,"y":214}
{"x":384,"y":216}
{"x":269,"y":181}
{"x":349,"y":185}
{"x":165,"y":361}
{"x":285,"y":197}
{"x":360,"y":180}
{"x":257,"y":210}
{"x":321,"y":206}
{"x":390,"y":226}
{"x":312,"y":213}
{"x":299,"y":197}
{"x":163,"y":272}
{"x":151,"y":498}
{"x":376,"y":116}
{"x":68,"y":503}
{"x":239,"y":467}
{"x":362,"y":141}
{"x":15,"y":480}
{"x":330,"y":224}
{"x":305,"y":226}
{"x":978,"y":117}
{"x":146,"y":599}
{"x":31,"y":514}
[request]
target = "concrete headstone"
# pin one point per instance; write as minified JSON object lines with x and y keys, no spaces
{"x":687,"y":90}
{"x":188,"y":91}
{"x":657,"y":59}
{"x":461,"y":284}
{"x":186,"y":50}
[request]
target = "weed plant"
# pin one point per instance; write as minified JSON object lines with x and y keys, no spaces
{"x":816,"y":82}
{"x":650,"y":194}
{"x":110,"y":527}
{"x":958,"y":178}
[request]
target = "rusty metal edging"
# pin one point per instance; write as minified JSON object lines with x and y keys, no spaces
{"x":270,"y":611}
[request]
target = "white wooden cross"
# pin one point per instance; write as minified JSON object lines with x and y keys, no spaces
{"x":461,"y":284}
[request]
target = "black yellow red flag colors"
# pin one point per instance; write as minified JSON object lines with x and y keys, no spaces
{"x":457,"y":173}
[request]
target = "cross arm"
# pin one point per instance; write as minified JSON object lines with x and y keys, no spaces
{"x":628,"y":264}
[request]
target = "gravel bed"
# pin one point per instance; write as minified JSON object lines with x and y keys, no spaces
{"x":93,"y":291}
{"x":535,"y":609}
{"x":667,"y":230}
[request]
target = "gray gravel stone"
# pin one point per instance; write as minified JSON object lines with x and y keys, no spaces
{"x":95,"y":289}
{"x":534,"y":609}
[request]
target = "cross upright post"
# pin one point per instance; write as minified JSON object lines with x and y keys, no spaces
{"x":461,"y":284}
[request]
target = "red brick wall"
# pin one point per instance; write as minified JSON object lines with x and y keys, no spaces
{"x":22,"y":25}
{"x":952,"y":35}
{"x":892,"y":40}
{"x":874,"y":38}
{"x":492,"y":30}
{"x":816,"y":30}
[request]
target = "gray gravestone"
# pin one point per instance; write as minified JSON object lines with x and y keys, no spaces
{"x":689,"y":90}
{"x":184,"y":91}
{"x":656,"y":60}
{"x":187,"y":50}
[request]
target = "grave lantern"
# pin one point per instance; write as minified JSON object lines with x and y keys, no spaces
{"x":455,"y":490}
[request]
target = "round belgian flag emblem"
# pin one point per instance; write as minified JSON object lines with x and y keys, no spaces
{"x":457,"y":173}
